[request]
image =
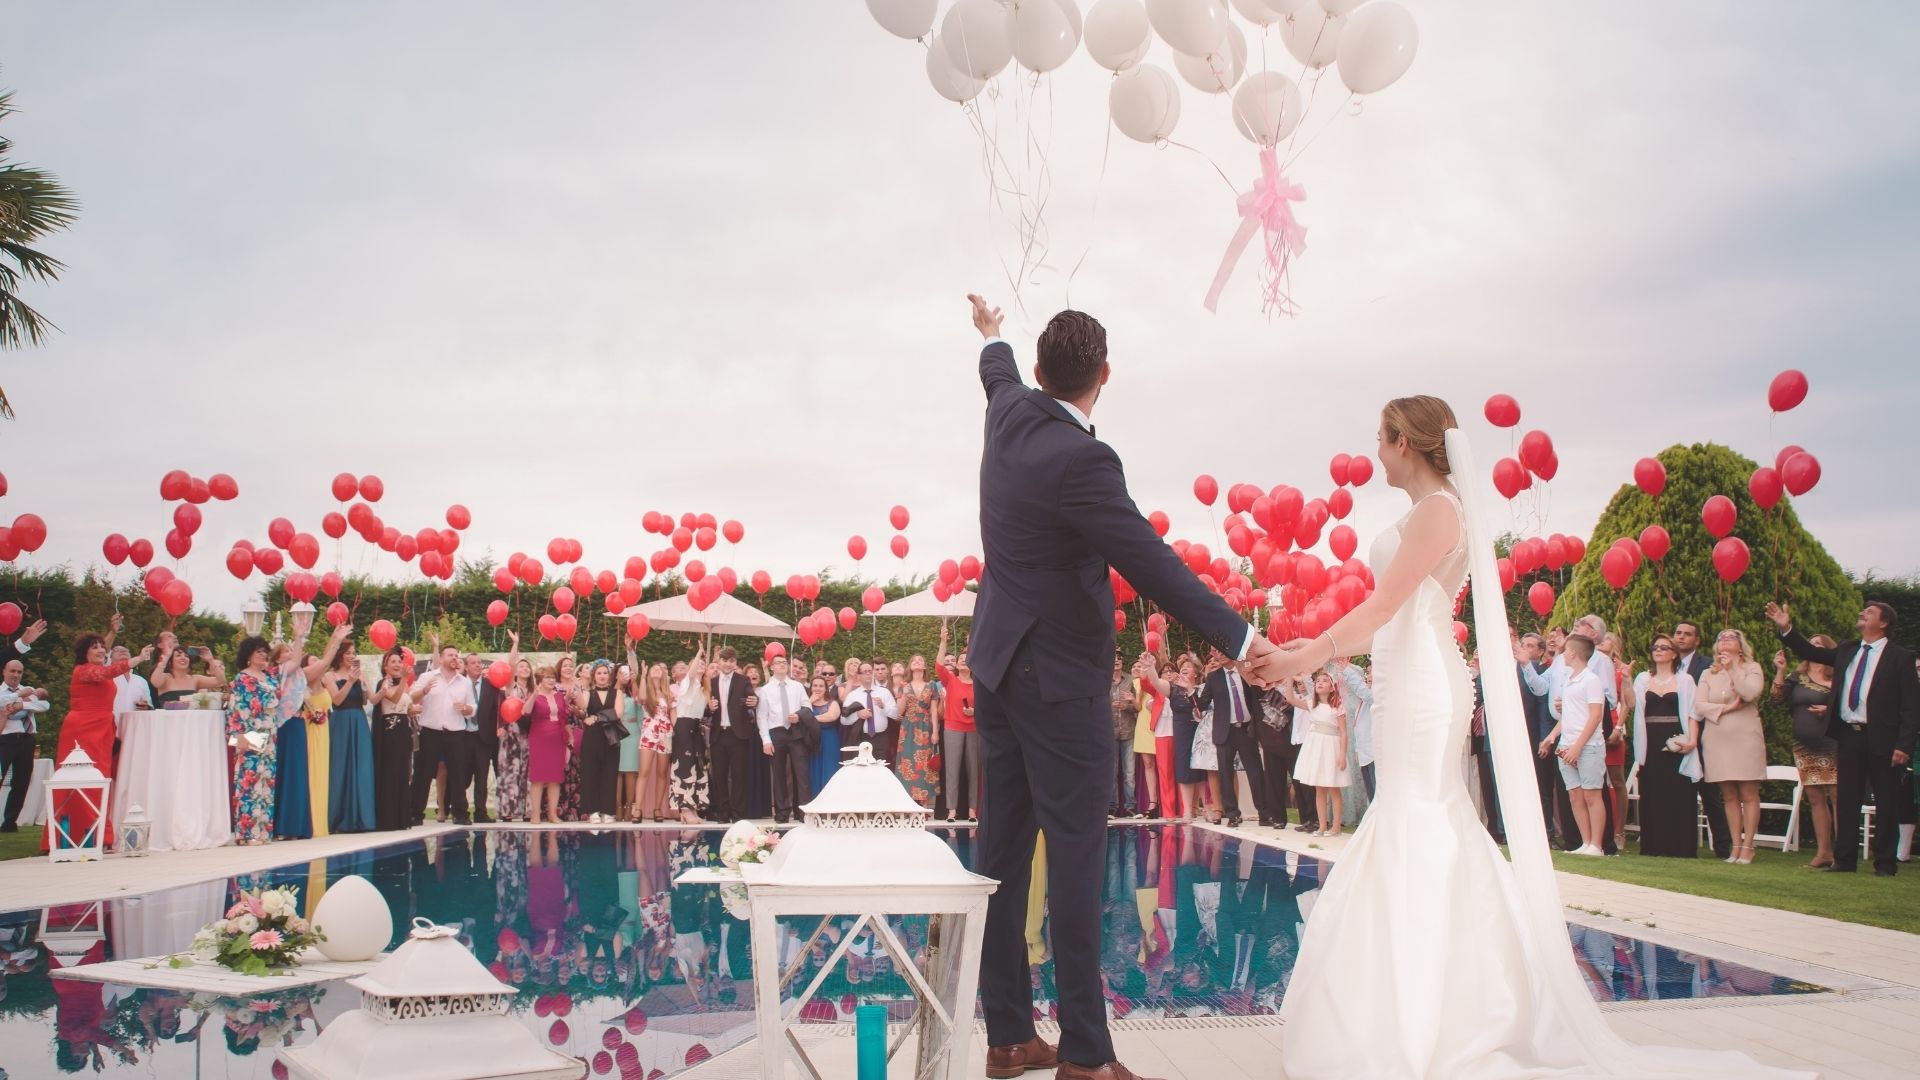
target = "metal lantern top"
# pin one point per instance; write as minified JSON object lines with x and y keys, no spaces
{"x":863,"y":830}
{"x":431,"y":974}
{"x":77,"y":771}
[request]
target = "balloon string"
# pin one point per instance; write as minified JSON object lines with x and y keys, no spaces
{"x":1093,"y":229}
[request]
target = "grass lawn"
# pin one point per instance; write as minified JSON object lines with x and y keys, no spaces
{"x":21,"y":844}
{"x":1775,"y":880}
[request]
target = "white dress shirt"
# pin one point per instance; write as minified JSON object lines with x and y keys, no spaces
{"x":440,"y":706}
{"x":1357,"y":697}
{"x":721,"y":684}
{"x":130,"y":691}
{"x":22,"y":720}
{"x":687,"y":703}
{"x":778,"y":699}
{"x":879,"y":701}
{"x":1868,"y":658}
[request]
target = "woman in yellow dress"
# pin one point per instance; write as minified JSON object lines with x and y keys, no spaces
{"x":319,"y":752}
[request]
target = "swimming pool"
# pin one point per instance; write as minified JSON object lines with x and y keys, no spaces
{"x":642,"y":979}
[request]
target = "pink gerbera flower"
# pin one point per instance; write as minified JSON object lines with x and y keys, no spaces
{"x":264,"y":940}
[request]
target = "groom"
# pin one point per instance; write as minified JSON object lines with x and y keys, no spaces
{"x":1054,"y":516}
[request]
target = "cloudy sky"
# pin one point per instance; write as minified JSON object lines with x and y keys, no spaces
{"x":569,"y":264}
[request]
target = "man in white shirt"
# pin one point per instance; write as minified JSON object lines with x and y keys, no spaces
{"x":20,"y":707}
{"x":867,"y":710}
{"x":782,"y":737}
{"x":130,"y":691}
{"x":445,"y":697}
{"x":1583,"y":754}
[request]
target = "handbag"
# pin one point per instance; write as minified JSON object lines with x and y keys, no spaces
{"x":610,"y":728}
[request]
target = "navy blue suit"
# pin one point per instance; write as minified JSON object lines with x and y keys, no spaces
{"x":1054,"y":515}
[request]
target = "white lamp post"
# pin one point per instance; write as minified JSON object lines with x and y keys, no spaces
{"x":76,"y":785}
{"x":253,"y":615}
{"x":302,"y":620}
{"x":865,"y":851}
{"x":429,"y":1010}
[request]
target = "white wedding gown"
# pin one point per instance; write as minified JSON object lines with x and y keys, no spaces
{"x":1428,"y":954}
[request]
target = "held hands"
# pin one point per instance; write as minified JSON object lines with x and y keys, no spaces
{"x":985,"y":320}
{"x":1267,"y":664}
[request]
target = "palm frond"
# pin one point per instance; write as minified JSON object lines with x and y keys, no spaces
{"x":20,"y":324}
{"x":33,"y":203}
{"x":37,"y":265}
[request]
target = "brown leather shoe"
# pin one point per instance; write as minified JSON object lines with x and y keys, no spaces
{"x":1112,"y":1070}
{"x":1006,"y":1062}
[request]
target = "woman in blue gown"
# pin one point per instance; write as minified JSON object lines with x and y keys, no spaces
{"x":826,"y":760}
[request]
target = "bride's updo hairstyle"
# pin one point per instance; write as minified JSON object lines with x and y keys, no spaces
{"x":1423,"y":421}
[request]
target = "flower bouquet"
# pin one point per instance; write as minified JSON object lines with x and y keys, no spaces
{"x":746,"y":842}
{"x":207,"y":700}
{"x":261,"y":934}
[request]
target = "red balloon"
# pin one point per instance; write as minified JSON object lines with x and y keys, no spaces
{"x":405,"y":546}
{"x":548,"y":627}
{"x":949,"y":572}
{"x":223,"y":487}
{"x":1765,"y":487}
{"x":1800,"y":475}
{"x":503,"y":580}
{"x":651,"y":521}
{"x":1616,"y":566}
{"x":268,"y":560}
{"x":682,"y":538}
{"x":499,"y":673}
{"x":174,"y":485}
{"x":873,"y":599}
{"x":449,"y":543}
{"x":1788,"y":389}
{"x":1556,"y":553}
{"x":198,"y":491}
{"x":557,"y":551}
{"x":615,"y":604}
{"x":240,"y":563}
{"x":563,"y":599}
{"x":704,"y":539}
{"x":186,"y":518}
{"x":1153,"y":642}
{"x":280,"y":532}
{"x":140,"y":552}
{"x":1240,"y":540}
{"x":813,"y":587}
{"x":733,"y":531}
{"x":1786,"y":453}
{"x":459,"y":516}
{"x":177,"y":545}
{"x":695,"y":571}
{"x":807,"y":632}
{"x":1459,"y":632}
{"x":337,"y":614}
{"x":334,"y":524}
{"x":1509,"y":477}
{"x":1540,"y":598}
{"x":155,"y":580}
{"x":305,"y":550}
{"x":605,"y":583}
{"x":898,"y":516}
{"x":1502,"y":411}
{"x":1731,"y":558}
{"x":115,"y":548}
{"x":637,"y":626}
{"x":177,"y":598}
{"x":1718,"y":516}
{"x":432,"y":563}
{"x":630,"y":590}
{"x":856,"y":547}
{"x":1206,"y":489}
{"x":1535,"y":448}
{"x":1651,"y":476}
{"x":1548,"y":468}
{"x":1339,"y":468}
{"x":531,"y":571}
{"x":1655,"y":542}
{"x":1158,"y":520}
{"x":1360,"y":470}
{"x":582,"y":581}
{"x":1507,"y":574}
{"x":899,"y":546}
{"x":1340,"y":503}
{"x":761,"y":582}
{"x":1309,"y":573}
{"x":849,"y":618}
{"x":345,"y":487}
{"x":566,"y":626}
{"x":1343,"y":542}
{"x":371,"y":488}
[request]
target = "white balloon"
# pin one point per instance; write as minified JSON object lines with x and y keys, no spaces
{"x":975,"y":34}
{"x":910,"y":19}
{"x":948,"y":81}
{"x":1257,"y":12}
{"x":1285,"y":8}
{"x":355,"y":919}
{"x":1377,"y":47}
{"x":1218,"y":71}
{"x":1145,"y":103}
{"x":1194,"y":27}
{"x":1045,"y":32}
{"x":1118,"y":33}
{"x":1266,"y":108}
{"x":1313,"y":37}
{"x":1340,"y":7}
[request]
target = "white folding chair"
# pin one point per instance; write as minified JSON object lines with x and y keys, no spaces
{"x":1789,"y":840}
{"x":1633,"y":799}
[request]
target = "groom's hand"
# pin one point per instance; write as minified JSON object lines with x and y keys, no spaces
{"x":1261,"y":666}
{"x":984,"y":320}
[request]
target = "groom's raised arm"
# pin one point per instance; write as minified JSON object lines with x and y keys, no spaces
{"x":1093,"y":496}
{"x":997,"y":369}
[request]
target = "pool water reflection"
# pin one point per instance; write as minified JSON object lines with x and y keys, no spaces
{"x":643,"y":979}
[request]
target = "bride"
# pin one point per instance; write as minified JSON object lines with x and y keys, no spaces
{"x":1429,"y":954}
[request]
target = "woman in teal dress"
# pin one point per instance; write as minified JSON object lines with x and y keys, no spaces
{"x":349,"y":745}
{"x":826,"y":710}
{"x":252,"y":717}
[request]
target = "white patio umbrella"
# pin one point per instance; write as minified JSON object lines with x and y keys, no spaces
{"x":726,"y":616}
{"x":924,"y":603}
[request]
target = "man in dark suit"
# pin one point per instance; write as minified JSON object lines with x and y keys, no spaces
{"x":1874,"y":715}
{"x":1694,"y":663}
{"x":1056,"y":521}
{"x":1530,"y":657}
{"x":734,"y":734}
{"x":485,"y":742}
{"x":1236,"y":706}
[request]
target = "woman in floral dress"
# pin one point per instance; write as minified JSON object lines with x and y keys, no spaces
{"x":510,"y":798}
{"x":653,"y":704}
{"x":918,"y":756}
{"x":252,"y":718}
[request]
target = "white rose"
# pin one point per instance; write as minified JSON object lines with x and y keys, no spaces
{"x":297,"y":924}
{"x":245,"y":924}
{"x":276,"y":904}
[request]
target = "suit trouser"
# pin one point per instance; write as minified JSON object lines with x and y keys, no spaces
{"x":454,"y":749}
{"x":792,"y":773}
{"x":1277,"y":754}
{"x":1546,"y":773}
{"x":16,"y":759}
{"x":729,"y":779}
{"x":1489,"y":794}
{"x":1863,"y":769}
{"x":1241,"y":743}
{"x":485,"y":750}
{"x":1049,"y":767}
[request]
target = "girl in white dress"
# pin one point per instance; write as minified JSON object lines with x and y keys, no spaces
{"x":1322,"y":764}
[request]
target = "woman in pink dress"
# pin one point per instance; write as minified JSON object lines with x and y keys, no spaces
{"x":548,"y":746}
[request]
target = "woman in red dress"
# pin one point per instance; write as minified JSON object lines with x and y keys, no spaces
{"x":90,"y":722}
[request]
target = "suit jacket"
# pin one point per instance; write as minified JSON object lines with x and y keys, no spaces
{"x":487,"y":713}
{"x":1698,"y":666}
{"x":1054,"y":516}
{"x":1892,"y":699}
{"x":1539,"y":715}
{"x":744,"y":725}
{"x":1213,"y":692}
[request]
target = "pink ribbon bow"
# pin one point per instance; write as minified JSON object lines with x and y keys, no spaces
{"x":1268,"y":207}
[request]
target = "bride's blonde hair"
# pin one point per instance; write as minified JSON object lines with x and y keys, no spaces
{"x":1423,"y":421}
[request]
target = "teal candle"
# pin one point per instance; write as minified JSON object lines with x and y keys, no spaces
{"x":870,"y":1031}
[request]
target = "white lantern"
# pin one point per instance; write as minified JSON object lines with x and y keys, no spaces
{"x":355,"y":919}
{"x":865,"y":852}
{"x":253,"y":615}
{"x":135,"y":830}
{"x":76,"y":789}
{"x":429,"y":1010}
{"x":302,"y":619}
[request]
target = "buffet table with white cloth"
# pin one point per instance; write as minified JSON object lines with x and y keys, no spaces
{"x":173,"y":765}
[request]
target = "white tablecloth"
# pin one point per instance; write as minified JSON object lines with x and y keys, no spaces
{"x":173,"y":765}
{"x":34,"y":812}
